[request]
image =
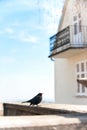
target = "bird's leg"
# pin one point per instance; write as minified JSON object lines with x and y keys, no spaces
{"x":36,"y":105}
{"x":30,"y":104}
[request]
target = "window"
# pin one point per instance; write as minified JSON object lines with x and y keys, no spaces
{"x":77,"y":23}
{"x":75,"y":28}
{"x":77,"y":67}
{"x":81,"y":72}
{"x":80,"y":29}
{"x":78,"y":85}
{"x":82,"y":67}
{"x":75,"y":18}
{"x":83,"y":87}
{"x":86,"y":66}
{"x":79,"y":15}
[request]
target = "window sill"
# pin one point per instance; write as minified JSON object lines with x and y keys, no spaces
{"x":81,"y":96}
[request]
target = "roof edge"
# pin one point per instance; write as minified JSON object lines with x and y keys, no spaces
{"x":63,"y":14}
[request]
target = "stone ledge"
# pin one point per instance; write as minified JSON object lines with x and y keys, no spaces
{"x":67,"y":117}
{"x":50,"y":122}
{"x":44,"y":109}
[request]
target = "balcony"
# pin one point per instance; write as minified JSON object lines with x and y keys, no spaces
{"x":68,"y":42}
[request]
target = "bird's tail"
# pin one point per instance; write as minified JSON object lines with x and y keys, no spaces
{"x":25,"y":101}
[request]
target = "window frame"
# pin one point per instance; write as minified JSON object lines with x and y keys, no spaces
{"x":81,"y":90}
{"x":77,"y":23}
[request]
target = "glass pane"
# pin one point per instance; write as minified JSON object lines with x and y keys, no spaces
{"x":80,"y":28}
{"x":75,"y":18}
{"x":78,"y":88}
{"x":78,"y":85}
{"x":82,"y":67}
{"x":82,"y":75}
{"x":77,"y":67}
{"x":86,"y":66}
{"x":75,"y":29}
{"x":83,"y":89}
{"x":79,"y":15}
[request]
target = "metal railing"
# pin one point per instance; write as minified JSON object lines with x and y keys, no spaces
{"x":71,"y":36}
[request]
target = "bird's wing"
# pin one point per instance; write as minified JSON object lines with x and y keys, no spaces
{"x":34,"y":99}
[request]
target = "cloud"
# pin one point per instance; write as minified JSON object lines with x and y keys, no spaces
{"x":24,"y":37}
{"x":51,"y":15}
{"x":7,"y":60}
{"x":21,"y":4}
{"x":29,"y":39}
{"x":18,"y":34}
{"x":9,"y":30}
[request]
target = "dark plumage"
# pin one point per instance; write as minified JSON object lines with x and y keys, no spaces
{"x":35,"y":100}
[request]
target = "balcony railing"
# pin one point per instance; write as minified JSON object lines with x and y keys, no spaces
{"x":70,"y":37}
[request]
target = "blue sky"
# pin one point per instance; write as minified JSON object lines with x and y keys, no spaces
{"x":25,"y":28}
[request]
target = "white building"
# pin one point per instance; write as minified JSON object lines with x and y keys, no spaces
{"x":68,"y":48}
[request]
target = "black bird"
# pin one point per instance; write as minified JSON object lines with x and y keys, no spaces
{"x":35,"y":100}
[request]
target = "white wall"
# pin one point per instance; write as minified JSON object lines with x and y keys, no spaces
{"x":66,"y":81}
{"x":72,"y":8}
{"x":65,"y":75}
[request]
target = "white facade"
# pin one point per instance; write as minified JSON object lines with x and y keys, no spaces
{"x":71,"y":63}
{"x":66,"y":86}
